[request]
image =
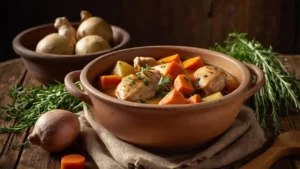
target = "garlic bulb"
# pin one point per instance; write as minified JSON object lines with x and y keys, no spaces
{"x":55,"y":130}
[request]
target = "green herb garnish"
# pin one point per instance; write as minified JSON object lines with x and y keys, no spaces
{"x":164,"y":81}
{"x":145,"y":69}
{"x":146,"y":82}
{"x":29,"y":103}
{"x":281,"y":90}
{"x":141,"y":101}
{"x":187,"y":79}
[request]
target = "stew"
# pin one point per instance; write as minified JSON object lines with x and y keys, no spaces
{"x":167,"y":81}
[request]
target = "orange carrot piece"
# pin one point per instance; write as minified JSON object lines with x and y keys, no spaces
{"x":73,"y":161}
{"x":173,"y":97}
{"x":195,"y":99}
{"x":193,"y":63}
{"x":190,"y":75}
{"x":183,"y":84}
{"x":169,"y":59}
{"x":109,"y":81}
{"x":231,"y":85}
{"x":173,"y":69}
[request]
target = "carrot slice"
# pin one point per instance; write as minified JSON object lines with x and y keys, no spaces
{"x":173,"y":69}
{"x":231,"y":83}
{"x":169,"y":59}
{"x":109,"y":81}
{"x":190,"y":75}
{"x":193,"y":63}
{"x":183,"y":84}
{"x":195,"y":99}
{"x":173,"y":97}
{"x":73,"y":161}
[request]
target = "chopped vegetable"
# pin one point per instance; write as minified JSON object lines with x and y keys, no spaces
{"x":55,"y":44}
{"x":195,"y":99}
{"x":173,"y":69}
{"x":231,"y":83}
{"x":212,"y":97}
{"x":190,"y":75}
{"x":92,"y":25}
{"x":183,"y":84}
{"x":109,"y":81}
{"x":174,"y":97}
{"x":281,"y":91}
{"x":193,"y":63}
{"x":169,"y":59}
{"x":91,"y":44}
{"x":122,"y":69}
{"x":73,"y":161}
{"x":65,"y":28}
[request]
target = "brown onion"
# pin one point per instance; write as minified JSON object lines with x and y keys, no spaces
{"x":55,"y":130}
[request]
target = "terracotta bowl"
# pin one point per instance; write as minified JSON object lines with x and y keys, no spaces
{"x":49,"y":67}
{"x":165,"y":127}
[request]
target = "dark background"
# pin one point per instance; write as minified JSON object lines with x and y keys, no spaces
{"x":198,"y":23}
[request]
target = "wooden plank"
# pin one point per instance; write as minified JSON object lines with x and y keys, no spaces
{"x":226,"y":16}
{"x":141,"y":20}
{"x":185,"y":22}
{"x":12,"y":72}
{"x":293,"y":62}
{"x":292,"y":122}
{"x":10,"y":157}
{"x":273,"y":23}
{"x":297,"y":28}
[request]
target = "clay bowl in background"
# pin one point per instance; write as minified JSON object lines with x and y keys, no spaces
{"x":168,"y":128}
{"x":49,"y":67}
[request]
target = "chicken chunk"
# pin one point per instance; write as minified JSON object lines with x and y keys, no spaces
{"x":140,"y":61}
{"x":210,"y":79}
{"x":138,"y":86}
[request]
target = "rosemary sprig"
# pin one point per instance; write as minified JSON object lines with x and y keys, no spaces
{"x":163,"y":82}
{"x":281,"y":90}
{"x":31,"y":102}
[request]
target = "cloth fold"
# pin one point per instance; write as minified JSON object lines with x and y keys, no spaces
{"x":242,"y":138}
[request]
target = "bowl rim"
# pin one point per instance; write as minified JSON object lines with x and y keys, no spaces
{"x":236,"y":94}
{"x":27,"y":53}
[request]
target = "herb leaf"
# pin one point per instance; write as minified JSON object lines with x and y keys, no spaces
{"x":29,"y":103}
{"x":164,"y":81}
{"x":280,"y":90}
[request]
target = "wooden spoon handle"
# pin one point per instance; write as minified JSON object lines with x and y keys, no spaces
{"x":265,"y":160}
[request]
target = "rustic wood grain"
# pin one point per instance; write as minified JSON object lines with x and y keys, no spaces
{"x":293,"y":63}
{"x":12,"y":72}
{"x":227,"y":16}
{"x":185,"y":22}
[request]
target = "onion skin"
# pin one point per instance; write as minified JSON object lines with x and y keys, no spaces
{"x":55,"y":130}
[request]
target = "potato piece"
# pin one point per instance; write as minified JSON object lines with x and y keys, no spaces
{"x":212,"y":97}
{"x":91,"y":44}
{"x":92,"y":25}
{"x":55,"y":44}
{"x":122,"y":69}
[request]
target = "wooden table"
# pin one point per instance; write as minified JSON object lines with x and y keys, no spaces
{"x":13,"y":72}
